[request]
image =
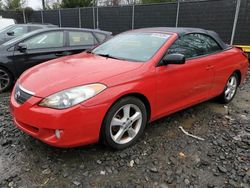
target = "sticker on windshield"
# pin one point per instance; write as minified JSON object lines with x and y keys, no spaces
{"x":160,"y":35}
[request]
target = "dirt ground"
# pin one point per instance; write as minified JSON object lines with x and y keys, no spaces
{"x":164,"y":156}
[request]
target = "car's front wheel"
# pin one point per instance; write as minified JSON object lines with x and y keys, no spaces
{"x":6,"y":80}
{"x":230,"y":89}
{"x":124,"y":123}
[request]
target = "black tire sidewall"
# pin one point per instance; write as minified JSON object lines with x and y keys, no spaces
{"x":10,"y":78}
{"x":106,"y":137}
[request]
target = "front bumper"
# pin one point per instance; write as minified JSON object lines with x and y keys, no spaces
{"x":78,"y":125}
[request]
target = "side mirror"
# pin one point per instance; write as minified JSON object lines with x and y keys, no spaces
{"x":22,"y":47}
{"x":11,"y":33}
{"x":174,"y":59}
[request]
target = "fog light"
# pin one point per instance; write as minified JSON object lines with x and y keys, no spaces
{"x":58,"y":133}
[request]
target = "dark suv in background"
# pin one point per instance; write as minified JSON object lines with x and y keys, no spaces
{"x":16,"y":30}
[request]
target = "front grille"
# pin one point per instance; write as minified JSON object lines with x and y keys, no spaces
{"x":20,"y":95}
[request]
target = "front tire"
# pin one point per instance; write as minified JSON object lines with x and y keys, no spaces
{"x":230,"y":89}
{"x":6,"y":80}
{"x":124,"y":123}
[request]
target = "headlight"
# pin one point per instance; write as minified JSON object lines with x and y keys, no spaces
{"x":70,"y":97}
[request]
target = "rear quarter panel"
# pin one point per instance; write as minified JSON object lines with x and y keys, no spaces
{"x":224,"y":64}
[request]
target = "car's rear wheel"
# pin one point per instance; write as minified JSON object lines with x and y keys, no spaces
{"x":6,"y":80}
{"x":124,"y":123}
{"x":230,"y":89}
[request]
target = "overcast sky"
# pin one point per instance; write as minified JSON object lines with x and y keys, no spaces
{"x":35,"y":4}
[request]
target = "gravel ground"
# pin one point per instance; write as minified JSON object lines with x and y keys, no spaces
{"x":164,"y":157}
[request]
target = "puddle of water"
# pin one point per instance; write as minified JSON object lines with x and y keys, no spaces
{"x":219,"y":108}
{"x":188,"y":123}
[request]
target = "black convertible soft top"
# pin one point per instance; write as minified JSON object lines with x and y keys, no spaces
{"x":181,"y":31}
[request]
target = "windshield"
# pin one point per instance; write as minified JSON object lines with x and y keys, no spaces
{"x":6,"y":28}
{"x":132,"y":46}
{"x":17,"y":38}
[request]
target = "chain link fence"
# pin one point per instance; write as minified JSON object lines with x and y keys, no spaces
{"x":230,"y":18}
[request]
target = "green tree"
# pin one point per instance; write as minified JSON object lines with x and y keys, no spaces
{"x":51,"y":4}
{"x":76,"y":3}
{"x":13,"y":4}
{"x":157,"y":1}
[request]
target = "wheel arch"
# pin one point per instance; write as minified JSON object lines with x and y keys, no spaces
{"x":11,"y":78}
{"x":238,"y":73}
{"x":141,"y":97}
{"x":7,"y":69}
{"x":138,"y":95}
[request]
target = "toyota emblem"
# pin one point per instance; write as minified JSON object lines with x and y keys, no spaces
{"x":17,"y":95}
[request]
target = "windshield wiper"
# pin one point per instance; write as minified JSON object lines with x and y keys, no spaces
{"x":89,"y":51}
{"x":109,"y":56}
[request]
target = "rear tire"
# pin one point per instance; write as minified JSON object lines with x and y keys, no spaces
{"x":6,"y":80}
{"x":230,"y":89}
{"x":124,"y":123}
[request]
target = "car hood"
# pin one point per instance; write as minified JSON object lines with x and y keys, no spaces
{"x":63,"y":73}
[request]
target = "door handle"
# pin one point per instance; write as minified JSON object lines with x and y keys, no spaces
{"x":209,"y":67}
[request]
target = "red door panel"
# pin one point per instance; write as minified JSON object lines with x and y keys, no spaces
{"x":179,"y":86}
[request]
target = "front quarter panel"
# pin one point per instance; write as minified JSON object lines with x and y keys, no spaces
{"x":140,"y":81}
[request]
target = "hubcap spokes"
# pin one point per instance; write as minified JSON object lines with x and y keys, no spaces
{"x":231,"y":88}
{"x":126,"y":124}
{"x":4,"y":80}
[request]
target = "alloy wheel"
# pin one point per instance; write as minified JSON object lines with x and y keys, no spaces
{"x":231,"y":88}
{"x":126,"y":124}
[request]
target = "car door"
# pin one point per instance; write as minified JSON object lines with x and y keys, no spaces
{"x":40,"y":48}
{"x":79,"y":41}
{"x":179,"y":86}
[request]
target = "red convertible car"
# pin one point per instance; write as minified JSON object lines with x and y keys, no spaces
{"x":110,"y":93}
